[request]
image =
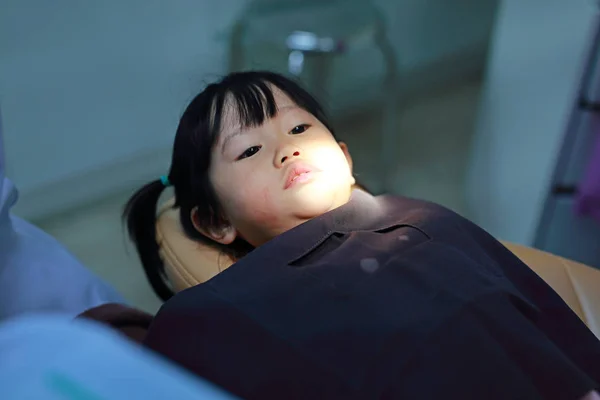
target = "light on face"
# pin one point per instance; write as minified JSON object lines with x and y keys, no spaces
{"x":328,"y":155}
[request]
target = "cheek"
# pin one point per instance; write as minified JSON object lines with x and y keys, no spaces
{"x":331,"y":159}
{"x":263,"y":208}
{"x":256,"y":204}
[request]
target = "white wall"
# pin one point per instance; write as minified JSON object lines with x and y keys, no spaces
{"x":536,"y":63}
{"x":424,"y":31}
{"x":91,"y":92}
{"x":85,"y":83}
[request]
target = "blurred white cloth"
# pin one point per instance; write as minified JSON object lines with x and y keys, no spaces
{"x":44,"y":357}
{"x":37,"y":274}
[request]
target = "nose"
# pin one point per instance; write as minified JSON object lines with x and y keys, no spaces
{"x":285,"y":155}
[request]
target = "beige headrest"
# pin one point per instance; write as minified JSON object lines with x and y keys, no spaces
{"x":188,"y":263}
{"x":576,"y":283}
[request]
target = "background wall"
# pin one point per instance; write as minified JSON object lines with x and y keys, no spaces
{"x":536,"y":63}
{"x":91,"y":92}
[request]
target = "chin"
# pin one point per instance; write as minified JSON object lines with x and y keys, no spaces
{"x":317,"y":198}
{"x":312,"y":208}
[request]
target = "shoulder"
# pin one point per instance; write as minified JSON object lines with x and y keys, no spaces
{"x":407,"y":210}
{"x":409,"y":203}
{"x":194,"y":300}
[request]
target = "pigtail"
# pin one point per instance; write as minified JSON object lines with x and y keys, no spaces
{"x":139,"y":216}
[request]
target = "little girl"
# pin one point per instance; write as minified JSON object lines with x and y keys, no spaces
{"x":222,"y":169}
{"x":336,"y":293}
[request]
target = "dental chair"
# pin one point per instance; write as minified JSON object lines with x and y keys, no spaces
{"x":187,"y":264}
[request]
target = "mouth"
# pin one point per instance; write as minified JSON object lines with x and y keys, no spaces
{"x":299,"y":173}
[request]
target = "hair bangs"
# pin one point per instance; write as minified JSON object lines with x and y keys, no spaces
{"x":249,"y":104}
{"x":254,"y":103}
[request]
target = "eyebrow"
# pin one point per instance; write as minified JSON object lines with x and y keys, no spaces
{"x":241,"y":131}
{"x":228,"y":138}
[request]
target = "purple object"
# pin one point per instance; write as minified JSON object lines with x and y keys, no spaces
{"x":587,"y":201}
{"x":37,"y":274}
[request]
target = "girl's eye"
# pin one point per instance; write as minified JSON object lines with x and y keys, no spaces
{"x":249,"y":152}
{"x":300,"y":129}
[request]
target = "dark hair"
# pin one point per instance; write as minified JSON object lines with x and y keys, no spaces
{"x":252,"y":96}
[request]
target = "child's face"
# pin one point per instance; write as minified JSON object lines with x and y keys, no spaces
{"x":273,"y":177}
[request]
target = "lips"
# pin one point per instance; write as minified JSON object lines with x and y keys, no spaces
{"x":297,"y":173}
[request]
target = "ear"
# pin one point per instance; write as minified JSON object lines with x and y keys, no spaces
{"x":346,"y":152}
{"x":224,"y":235}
